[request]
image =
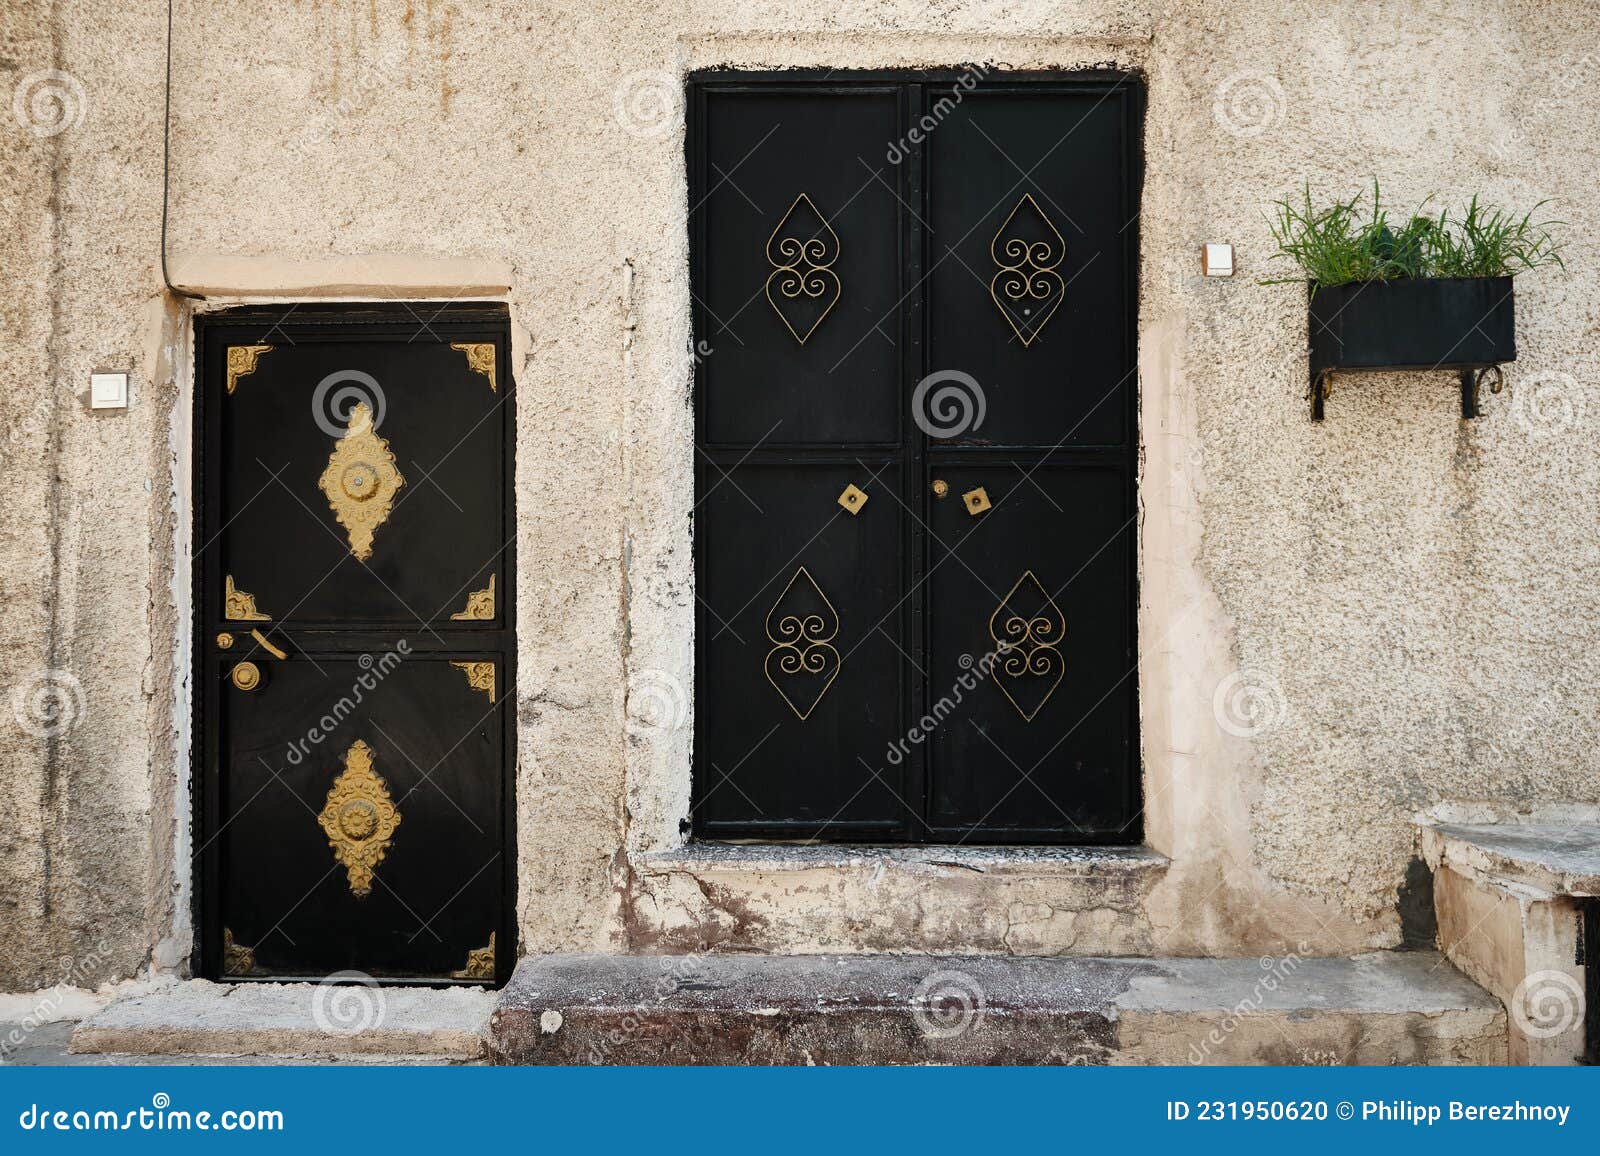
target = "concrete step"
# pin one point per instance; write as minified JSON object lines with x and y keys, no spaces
{"x":299,"y":1020}
{"x":1384,"y":1008}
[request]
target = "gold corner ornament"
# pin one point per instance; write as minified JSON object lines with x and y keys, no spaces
{"x":239,"y":606}
{"x":1027,"y":628}
{"x":480,"y":676}
{"x":1027,"y":289}
{"x":236,"y":958}
{"x":480,"y":963}
{"x":480,"y":359}
{"x":480,"y":605}
{"x":361,"y":480}
{"x":801,"y":627}
{"x":801,"y":251}
{"x":359,"y":818}
{"x":242,"y":361}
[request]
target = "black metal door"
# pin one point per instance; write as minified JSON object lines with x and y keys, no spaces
{"x":354,"y":645}
{"x":916,"y":426}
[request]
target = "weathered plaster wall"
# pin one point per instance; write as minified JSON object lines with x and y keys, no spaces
{"x":1403,"y":597}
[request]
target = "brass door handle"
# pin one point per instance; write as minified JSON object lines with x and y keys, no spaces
{"x":261,"y":640}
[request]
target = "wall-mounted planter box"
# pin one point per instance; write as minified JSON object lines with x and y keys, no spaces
{"x":1467,"y":324}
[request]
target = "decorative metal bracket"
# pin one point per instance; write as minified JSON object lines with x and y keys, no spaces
{"x":239,"y":606}
{"x":236,"y":958}
{"x":1472,"y":380}
{"x":480,"y":676}
{"x":242,"y":361}
{"x":480,"y":605}
{"x":480,"y":963}
{"x":480,"y":359}
{"x":359,"y":818}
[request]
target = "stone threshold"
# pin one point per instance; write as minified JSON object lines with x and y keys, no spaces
{"x":298,"y":1020}
{"x":777,"y":857}
{"x":1383,"y":1008}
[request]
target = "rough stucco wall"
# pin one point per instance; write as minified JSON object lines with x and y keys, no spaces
{"x":1402,"y":595}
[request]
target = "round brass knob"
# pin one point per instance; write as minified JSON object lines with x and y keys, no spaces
{"x":940,"y":487}
{"x":246,"y":676}
{"x":224,"y":640}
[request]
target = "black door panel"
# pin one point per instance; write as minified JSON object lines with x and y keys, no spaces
{"x":354,"y":651}
{"x":1033,"y":583}
{"x":801,"y":235}
{"x":961,"y":664}
{"x":1029,"y":215}
{"x":801,"y":645}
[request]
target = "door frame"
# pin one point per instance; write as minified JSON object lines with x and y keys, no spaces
{"x":917,"y":108}
{"x":205,"y":853}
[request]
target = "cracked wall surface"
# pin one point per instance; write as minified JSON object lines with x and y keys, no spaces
{"x":1341,"y":625}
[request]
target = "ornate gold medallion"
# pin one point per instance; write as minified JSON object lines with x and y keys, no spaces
{"x":359,"y":818}
{"x":801,"y":626}
{"x":480,"y":359}
{"x":361,"y":481}
{"x":480,"y":605}
{"x":1027,"y":289}
{"x":801,"y":251}
{"x":1027,"y":628}
{"x":242,"y":361}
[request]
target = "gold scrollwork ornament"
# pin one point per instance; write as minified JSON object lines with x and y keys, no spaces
{"x":236,"y":958}
{"x":361,"y":481}
{"x":480,"y":359}
{"x":359,"y":818}
{"x":801,"y":251}
{"x":242,"y":361}
{"x":1027,"y":289}
{"x":238,"y":605}
{"x":480,"y":676}
{"x":1027,"y":628}
{"x":801,"y":626}
{"x":480,"y":605}
{"x":480,"y":963}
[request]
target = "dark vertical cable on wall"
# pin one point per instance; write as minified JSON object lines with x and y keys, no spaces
{"x":166,"y":166}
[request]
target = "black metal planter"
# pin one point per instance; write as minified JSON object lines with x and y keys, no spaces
{"x":1467,"y":324}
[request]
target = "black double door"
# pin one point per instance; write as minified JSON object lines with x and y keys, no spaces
{"x":354,"y":647}
{"x":916,"y":451}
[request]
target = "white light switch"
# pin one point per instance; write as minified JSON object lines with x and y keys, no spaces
{"x":1216,"y":260}
{"x":108,"y":391}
